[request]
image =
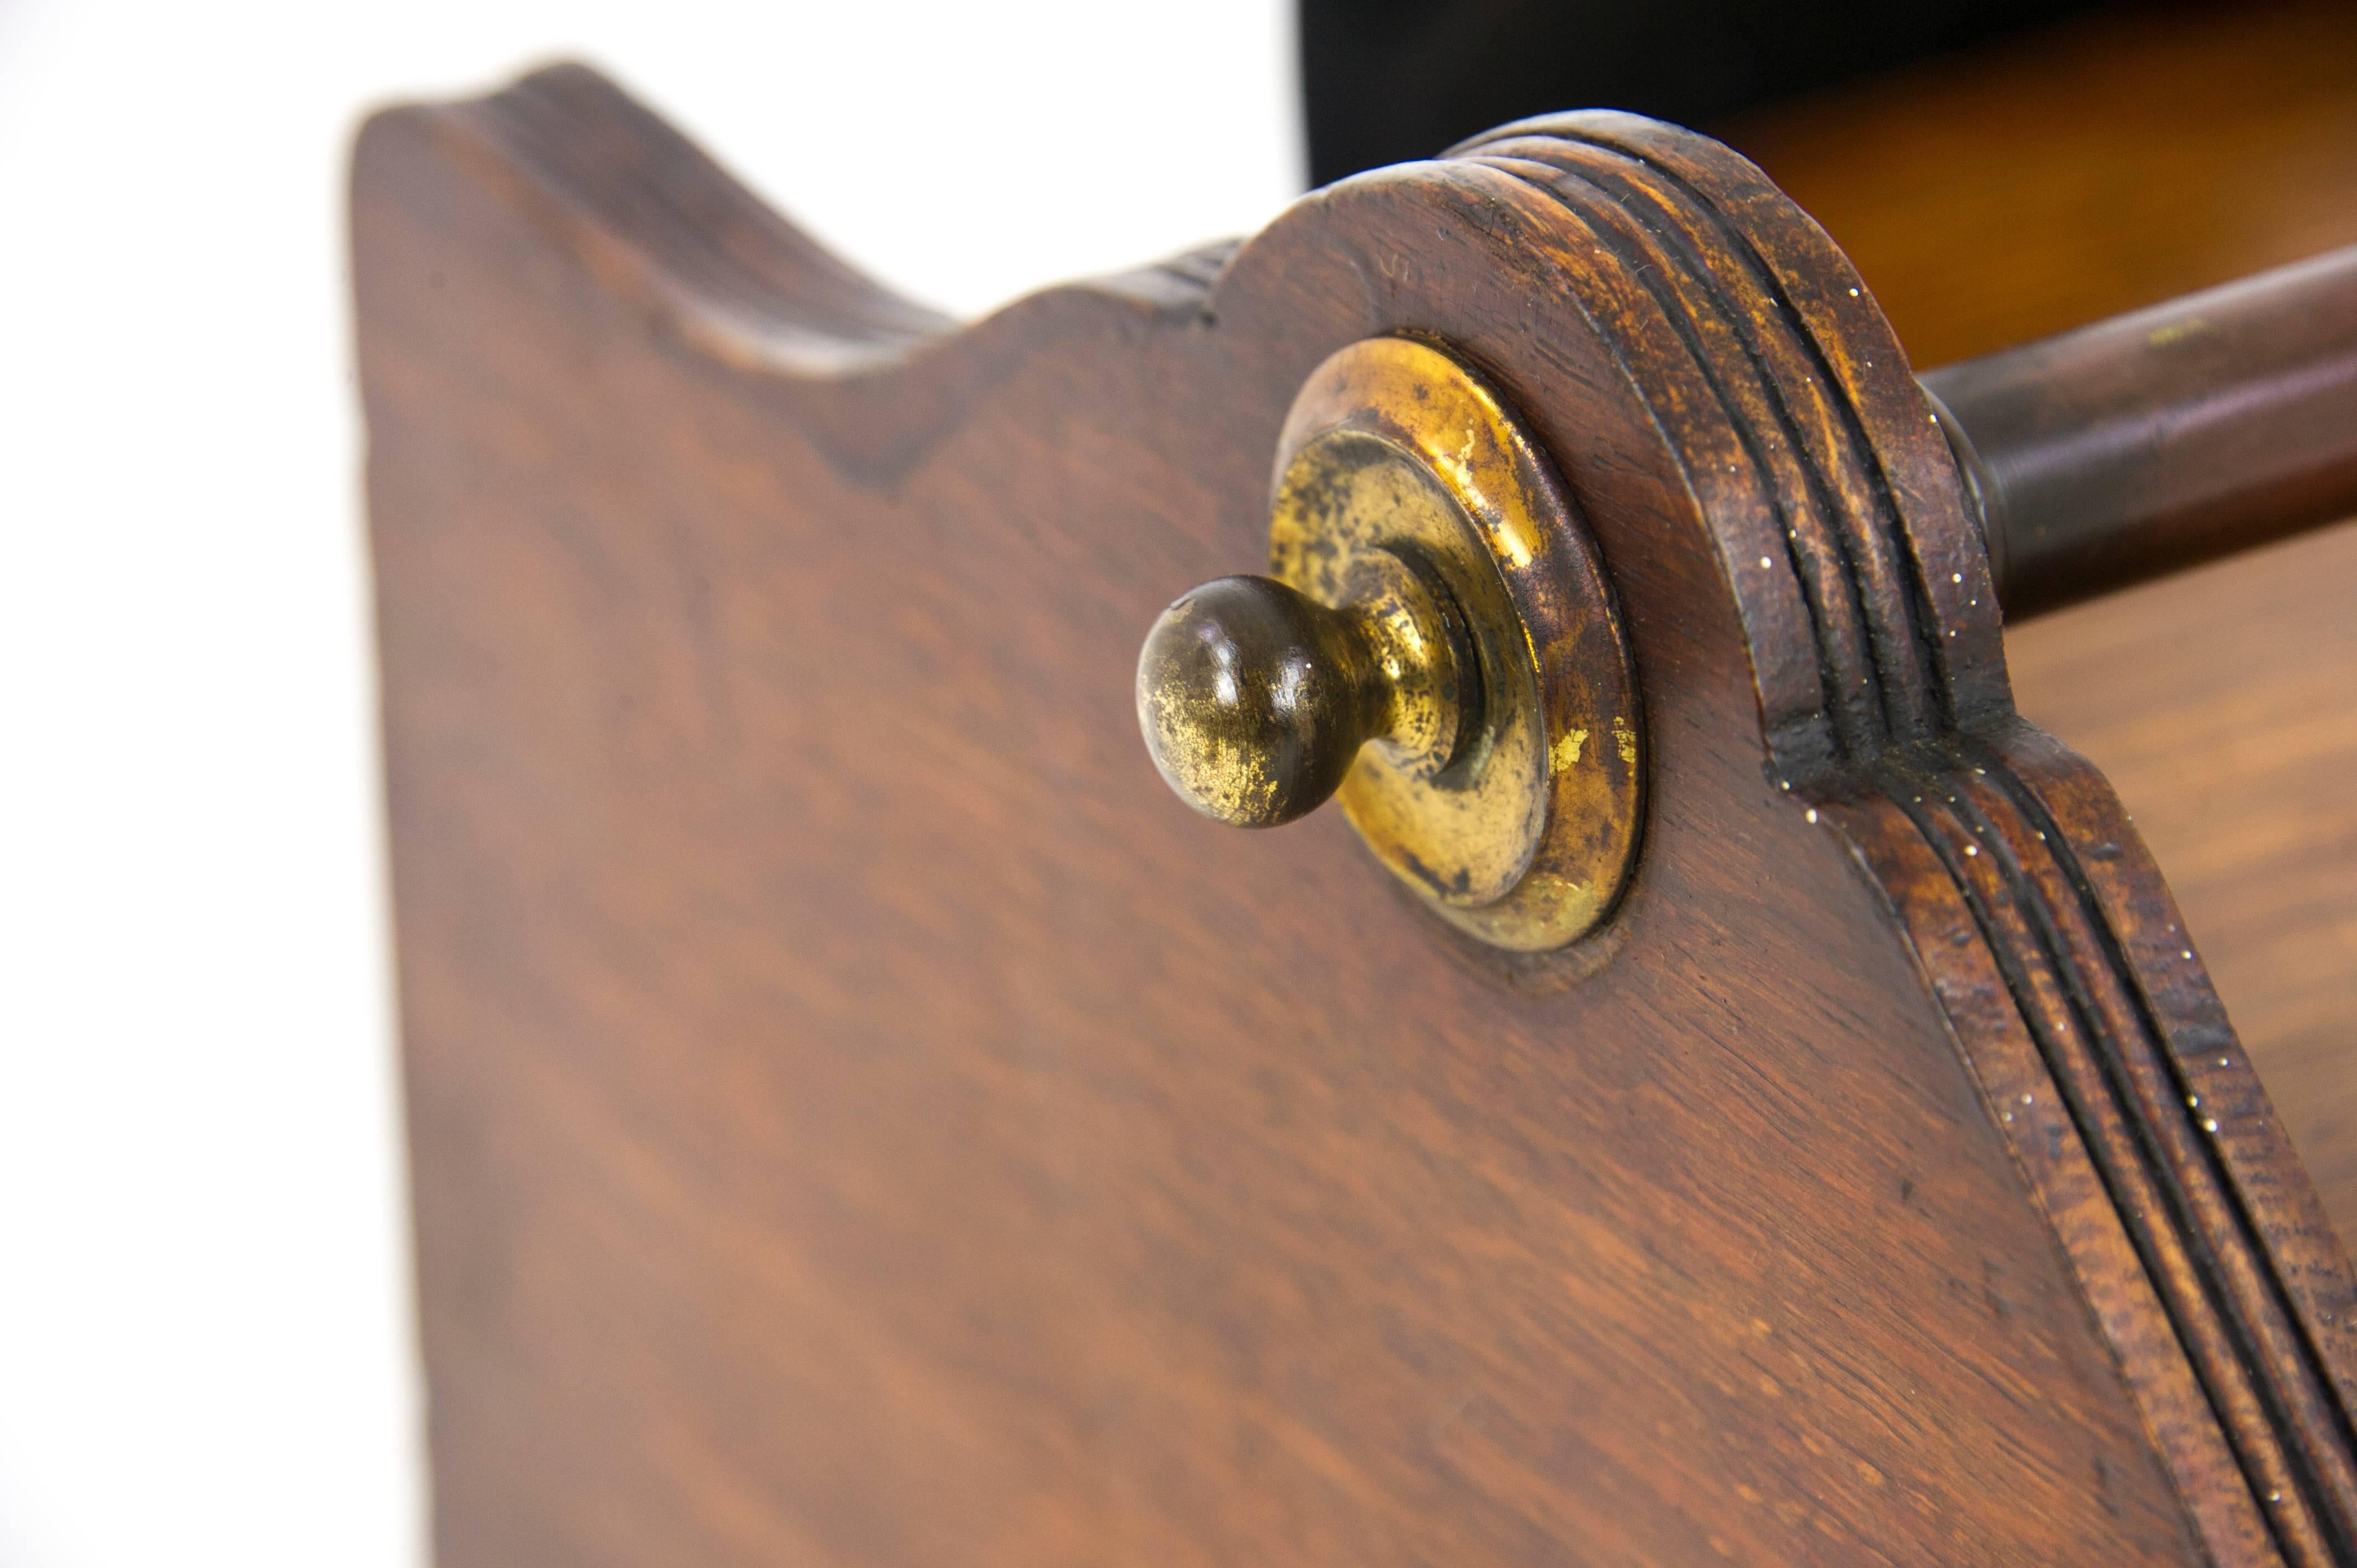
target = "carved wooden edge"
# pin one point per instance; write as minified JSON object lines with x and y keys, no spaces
{"x":876,"y":378}
{"x":2039,"y":923}
{"x":2048,"y":939}
{"x":1807,"y":440}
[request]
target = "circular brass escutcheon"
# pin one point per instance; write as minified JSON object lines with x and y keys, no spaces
{"x":1525,"y":832}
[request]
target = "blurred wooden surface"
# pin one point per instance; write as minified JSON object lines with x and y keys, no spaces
{"x":2078,"y":173}
{"x":2101,"y":168}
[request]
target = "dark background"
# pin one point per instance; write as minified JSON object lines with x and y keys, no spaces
{"x":1388,"y":80}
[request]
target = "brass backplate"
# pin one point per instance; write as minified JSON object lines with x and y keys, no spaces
{"x":1526,"y":839}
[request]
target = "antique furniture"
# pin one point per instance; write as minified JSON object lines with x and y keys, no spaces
{"x":1757,"y":1102}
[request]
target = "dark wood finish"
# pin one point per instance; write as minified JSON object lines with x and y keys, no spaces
{"x":2098,"y":170}
{"x":858,"y":1117}
{"x":2048,"y":936}
{"x":2142,"y":445}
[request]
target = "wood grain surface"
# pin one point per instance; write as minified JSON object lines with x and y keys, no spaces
{"x":2103,"y":167}
{"x":858,"y":1117}
{"x":2223,"y":707}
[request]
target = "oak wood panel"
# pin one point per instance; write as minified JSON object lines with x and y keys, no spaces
{"x":859,"y":1117}
{"x":2104,"y":167}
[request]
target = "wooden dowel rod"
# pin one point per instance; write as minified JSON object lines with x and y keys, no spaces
{"x":2161,"y":439}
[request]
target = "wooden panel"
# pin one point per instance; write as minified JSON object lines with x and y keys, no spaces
{"x":2103,"y":167}
{"x":859,"y":1117}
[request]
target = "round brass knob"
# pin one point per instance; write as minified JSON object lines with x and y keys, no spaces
{"x":1255,"y":699}
{"x":1435,"y":646}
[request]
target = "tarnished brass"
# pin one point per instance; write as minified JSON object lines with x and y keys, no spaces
{"x":1430,"y":592}
{"x":1257,"y":699}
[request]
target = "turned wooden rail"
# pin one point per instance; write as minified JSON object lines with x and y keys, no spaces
{"x":2161,"y":439}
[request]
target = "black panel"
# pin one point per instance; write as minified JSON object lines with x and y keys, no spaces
{"x":1388,"y":81}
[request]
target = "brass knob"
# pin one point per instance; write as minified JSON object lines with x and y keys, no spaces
{"x":1255,"y":699}
{"x":1435,"y":646}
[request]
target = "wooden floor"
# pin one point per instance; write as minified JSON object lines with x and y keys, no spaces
{"x":2101,"y":168}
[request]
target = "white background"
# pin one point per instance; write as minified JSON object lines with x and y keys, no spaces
{"x":206,"y":1346}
